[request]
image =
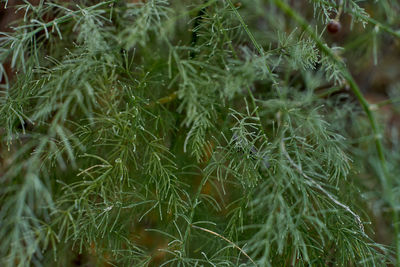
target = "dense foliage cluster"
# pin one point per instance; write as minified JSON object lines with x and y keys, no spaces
{"x":196,"y":133}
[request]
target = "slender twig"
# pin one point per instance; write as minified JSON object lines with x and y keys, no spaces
{"x":251,"y":36}
{"x":163,"y":100}
{"x":383,"y":27}
{"x":330,"y":91}
{"x":244,"y":25}
{"x":226,"y":239}
{"x":385,"y":102}
{"x":260,"y":51}
{"x":341,"y":4}
{"x":311,"y":182}
{"x":192,"y":212}
{"x":92,"y":167}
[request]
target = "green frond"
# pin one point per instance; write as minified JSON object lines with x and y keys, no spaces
{"x":198,"y":133}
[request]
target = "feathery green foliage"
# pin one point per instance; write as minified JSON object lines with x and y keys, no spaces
{"x":194,"y":133}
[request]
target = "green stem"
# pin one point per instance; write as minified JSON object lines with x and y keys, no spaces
{"x":244,"y":25}
{"x":191,"y":216}
{"x":386,"y":102}
{"x":260,"y":51}
{"x":329,"y":91}
{"x":383,"y":27}
{"x":385,"y":181}
{"x":251,"y":36}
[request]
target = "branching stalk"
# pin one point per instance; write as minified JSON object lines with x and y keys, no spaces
{"x":226,"y":239}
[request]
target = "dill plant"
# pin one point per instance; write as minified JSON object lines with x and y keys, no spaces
{"x":194,"y":133}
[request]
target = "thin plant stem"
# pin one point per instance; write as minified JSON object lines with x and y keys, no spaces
{"x":385,"y":103}
{"x":311,"y":182}
{"x":226,"y":239}
{"x":192,"y":212}
{"x":251,"y":36}
{"x":260,"y":51}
